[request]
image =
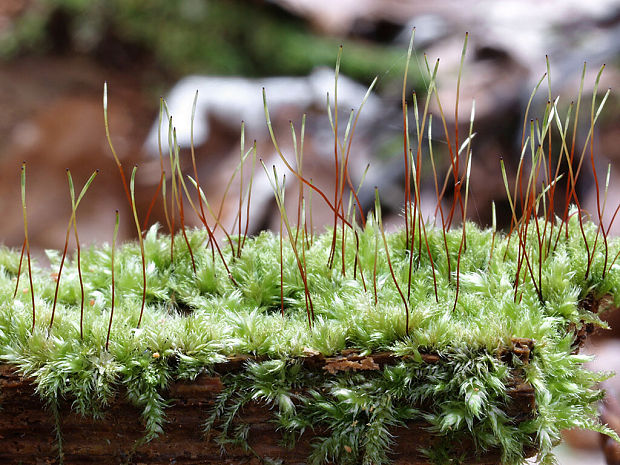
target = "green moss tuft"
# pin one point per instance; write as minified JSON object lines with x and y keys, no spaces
{"x":195,"y":320}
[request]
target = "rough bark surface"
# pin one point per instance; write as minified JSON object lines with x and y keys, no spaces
{"x":27,"y":431}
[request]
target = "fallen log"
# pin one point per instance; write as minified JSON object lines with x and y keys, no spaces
{"x":28,"y":426}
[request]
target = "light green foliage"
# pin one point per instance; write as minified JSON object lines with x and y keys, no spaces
{"x":194,"y":320}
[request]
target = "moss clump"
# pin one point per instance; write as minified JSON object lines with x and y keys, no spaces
{"x":194,"y":320}
{"x":185,"y":305}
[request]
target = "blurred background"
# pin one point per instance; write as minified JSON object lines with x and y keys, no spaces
{"x":56,"y":54}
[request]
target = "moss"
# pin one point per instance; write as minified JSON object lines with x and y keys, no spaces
{"x":462,"y":295}
{"x":194,"y":320}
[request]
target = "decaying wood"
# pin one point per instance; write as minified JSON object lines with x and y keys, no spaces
{"x":27,"y":433}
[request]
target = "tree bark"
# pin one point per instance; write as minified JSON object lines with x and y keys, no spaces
{"x":27,"y":431}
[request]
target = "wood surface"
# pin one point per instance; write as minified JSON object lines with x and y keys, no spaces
{"x":27,"y":434}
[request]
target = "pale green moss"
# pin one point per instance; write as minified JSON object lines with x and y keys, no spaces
{"x":194,"y":320}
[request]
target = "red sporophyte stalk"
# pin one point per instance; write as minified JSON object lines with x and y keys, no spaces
{"x":406,"y":148}
{"x":184,"y":232}
{"x":129,"y":191}
{"x":81,"y":279}
{"x":19,"y":268}
{"x":279,"y":190}
{"x":389,"y":261}
{"x":141,"y":241}
{"x":27,"y":243}
{"x":145,"y":223}
{"x":330,"y":260}
{"x":281,"y":267}
{"x":72,"y":220}
{"x":107,"y":341}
